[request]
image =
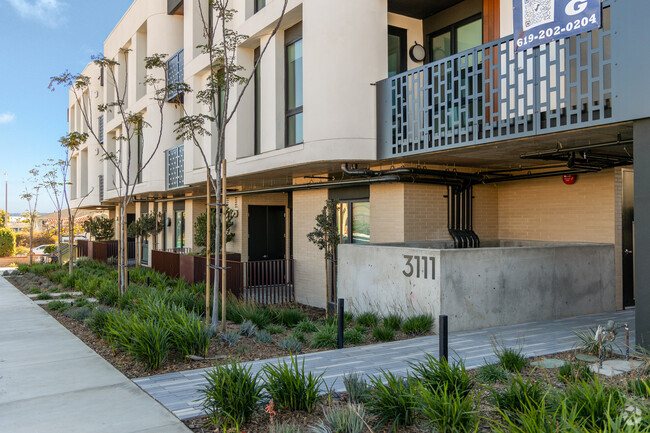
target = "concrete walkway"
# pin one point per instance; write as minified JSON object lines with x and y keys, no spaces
{"x":50,"y":381}
{"x":179,"y":391}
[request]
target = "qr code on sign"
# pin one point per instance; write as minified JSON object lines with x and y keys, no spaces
{"x":538,"y":12}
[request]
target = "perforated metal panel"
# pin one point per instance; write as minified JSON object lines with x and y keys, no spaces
{"x":492,"y":93}
{"x":175,"y":72}
{"x":101,"y":188}
{"x":175,"y":167}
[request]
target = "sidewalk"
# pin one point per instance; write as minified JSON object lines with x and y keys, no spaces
{"x":179,"y":391}
{"x":50,"y":381}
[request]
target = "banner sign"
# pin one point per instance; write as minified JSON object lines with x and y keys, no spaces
{"x":537,"y":22}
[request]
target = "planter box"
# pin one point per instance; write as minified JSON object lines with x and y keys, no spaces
{"x":192,"y":268}
{"x":166,"y":263}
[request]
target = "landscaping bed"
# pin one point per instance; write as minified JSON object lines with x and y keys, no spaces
{"x":149,"y":326}
{"x":439,"y":397}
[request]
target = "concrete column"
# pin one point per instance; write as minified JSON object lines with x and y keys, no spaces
{"x":642,"y":230}
{"x":190,"y":215}
{"x":272,"y":96}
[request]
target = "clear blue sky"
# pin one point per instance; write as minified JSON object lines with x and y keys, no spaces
{"x":39,"y":39}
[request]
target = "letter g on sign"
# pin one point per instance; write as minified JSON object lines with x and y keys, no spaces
{"x":575,"y":7}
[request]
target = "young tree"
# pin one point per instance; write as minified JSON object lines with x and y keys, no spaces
{"x":147,"y":225}
{"x":220,"y":45}
{"x":326,"y":237}
{"x":101,"y":228}
{"x":200,"y":227}
{"x":53,"y":181}
{"x":127,"y":169}
{"x":31,"y":197}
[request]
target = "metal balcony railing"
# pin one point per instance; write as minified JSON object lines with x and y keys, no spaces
{"x":175,"y":74}
{"x":175,"y":158}
{"x":492,"y":93}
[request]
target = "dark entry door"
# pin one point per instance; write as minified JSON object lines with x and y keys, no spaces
{"x":266,"y":233}
{"x":628,"y":238}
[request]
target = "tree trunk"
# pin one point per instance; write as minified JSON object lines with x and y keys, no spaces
{"x":70,"y":244}
{"x":31,"y":237}
{"x":122,"y":250}
{"x":223,"y":247}
{"x":217,"y":243}
{"x":59,"y":249}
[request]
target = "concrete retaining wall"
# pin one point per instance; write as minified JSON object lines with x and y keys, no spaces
{"x":481,"y":287}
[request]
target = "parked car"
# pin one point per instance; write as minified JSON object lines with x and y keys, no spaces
{"x":40,"y":249}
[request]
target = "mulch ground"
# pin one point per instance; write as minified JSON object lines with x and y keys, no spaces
{"x":246,"y":350}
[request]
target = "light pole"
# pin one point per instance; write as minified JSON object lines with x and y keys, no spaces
{"x":6,"y":201}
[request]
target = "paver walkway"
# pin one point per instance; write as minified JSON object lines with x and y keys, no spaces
{"x":50,"y":381}
{"x":179,"y":391}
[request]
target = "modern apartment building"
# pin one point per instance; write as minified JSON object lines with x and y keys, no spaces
{"x":419,"y":117}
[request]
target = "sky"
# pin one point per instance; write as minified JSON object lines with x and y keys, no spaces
{"x":40,"y":39}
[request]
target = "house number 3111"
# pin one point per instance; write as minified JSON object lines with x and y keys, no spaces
{"x":419,"y":265}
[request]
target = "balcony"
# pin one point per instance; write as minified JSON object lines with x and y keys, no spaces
{"x":175,"y":75}
{"x":492,"y":93}
{"x":175,"y":164}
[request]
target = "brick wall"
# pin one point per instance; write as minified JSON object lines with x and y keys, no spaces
{"x":548,"y":210}
{"x":387,"y":212}
{"x":425,"y":212}
{"x":486,"y":211}
{"x":309,"y":271}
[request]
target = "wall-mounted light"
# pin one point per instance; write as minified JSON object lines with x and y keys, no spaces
{"x":168,"y":222}
{"x":417,"y":53}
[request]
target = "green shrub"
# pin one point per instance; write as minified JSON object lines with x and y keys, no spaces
{"x":34,"y":290}
{"x":188,"y":334}
{"x":594,"y":402}
{"x":306,"y":326}
{"x":356,"y":387}
{"x":539,"y":418}
{"x":264,"y":336}
{"x":418,"y":325}
{"x":324,"y":337}
{"x":491,"y":373}
{"x":393,"y":321}
{"x":588,"y":342}
{"x":290,"y":344}
{"x":353,"y":336}
{"x":276,"y":329}
{"x":518,"y":395}
{"x":448,"y":410}
{"x":44,"y":296}
{"x":436,"y":374}
{"x":289,"y":317}
{"x":382,"y":333}
{"x":290,"y":387}
{"x":98,"y":321}
{"x":347,"y":419}
{"x":65,"y":296}
{"x":59,"y":306}
{"x":247,"y":329}
{"x":368,"y":319}
{"x":149,"y":343}
{"x":300,"y":336}
{"x":393,"y":400}
{"x":510,"y":358}
{"x":640,"y":387}
{"x":575,"y":371}
{"x":232,"y":393}
{"x":80,"y":314}
{"x":108,"y":294}
{"x":81,"y":302}
{"x":7,"y":242}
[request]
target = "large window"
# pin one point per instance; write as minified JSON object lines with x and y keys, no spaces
{"x":456,"y":38}
{"x":396,"y":51}
{"x":353,"y":221}
{"x":180,"y":229}
{"x":294,"y":122}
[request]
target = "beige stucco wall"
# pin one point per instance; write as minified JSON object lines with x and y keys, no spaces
{"x":309,"y":261}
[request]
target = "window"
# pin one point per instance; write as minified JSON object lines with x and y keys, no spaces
{"x":258,"y":104}
{"x":353,"y":221}
{"x":456,"y":38}
{"x":294,"y":122}
{"x":259,"y":5}
{"x":180,"y":229}
{"x":396,"y":51}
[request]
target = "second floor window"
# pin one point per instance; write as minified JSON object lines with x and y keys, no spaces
{"x":456,"y":38}
{"x":294,"y":86}
{"x":259,"y":5}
